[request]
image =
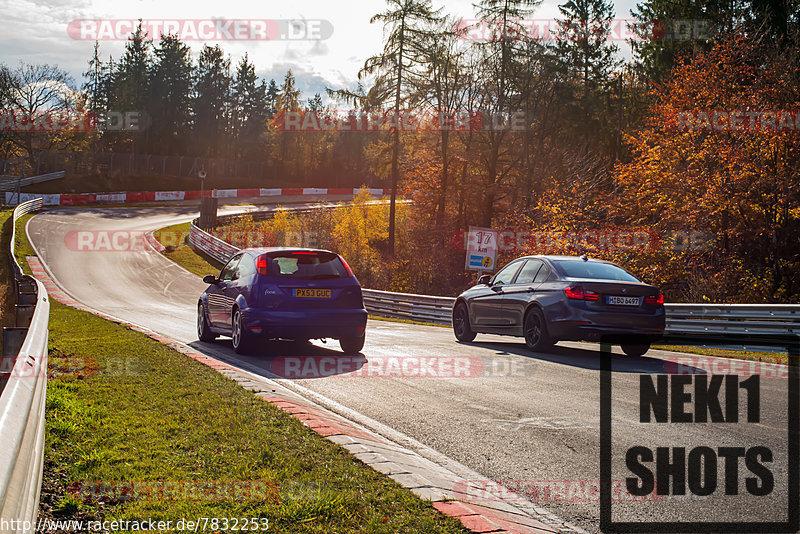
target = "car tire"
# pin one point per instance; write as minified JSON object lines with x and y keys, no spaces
{"x":535,"y":331}
{"x":204,"y":332}
{"x":634,"y":350}
{"x":461,"y":327}
{"x":241,"y":339}
{"x":352,"y":345}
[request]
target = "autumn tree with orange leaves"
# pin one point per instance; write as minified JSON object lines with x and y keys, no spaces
{"x":719,"y":154}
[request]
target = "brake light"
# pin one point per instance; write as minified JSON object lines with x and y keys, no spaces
{"x":578,"y":293}
{"x":304,"y":253}
{"x":261,"y":265}
{"x":654,"y":300}
{"x":347,"y":267}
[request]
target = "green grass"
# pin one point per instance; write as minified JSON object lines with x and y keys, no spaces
{"x":406,"y":321}
{"x":126,"y":411}
{"x":21,"y":246}
{"x":771,"y":357}
{"x":173,"y":237}
{"x":127,"y":408}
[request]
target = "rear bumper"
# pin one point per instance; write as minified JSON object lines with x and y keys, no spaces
{"x":584,"y":325}
{"x":309,"y":324}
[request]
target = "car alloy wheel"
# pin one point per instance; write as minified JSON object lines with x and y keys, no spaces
{"x":239,"y":336}
{"x":536,"y":336}
{"x":461,"y":327}
{"x":204,"y":333}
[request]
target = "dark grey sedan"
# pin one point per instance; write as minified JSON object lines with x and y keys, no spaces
{"x":547,"y":299}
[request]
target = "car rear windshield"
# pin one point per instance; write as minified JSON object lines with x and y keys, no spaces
{"x":595,"y":270}
{"x":304,"y":265}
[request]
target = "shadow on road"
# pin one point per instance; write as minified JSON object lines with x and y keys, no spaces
{"x":288,"y":359}
{"x":590,"y":359}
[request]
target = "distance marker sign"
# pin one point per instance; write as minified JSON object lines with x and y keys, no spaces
{"x":481,"y":246}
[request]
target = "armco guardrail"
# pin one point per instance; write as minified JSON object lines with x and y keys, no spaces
{"x":214,"y":247}
{"x":22,"y":398}
{"x":19,"y":211}
{"x":437,"y":310}
{"x":742,"y":320}
{"x":780,"y":320}
{"x":11,"y":184}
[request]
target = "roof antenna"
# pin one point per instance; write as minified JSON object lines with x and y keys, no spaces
{"x":584,"y":257}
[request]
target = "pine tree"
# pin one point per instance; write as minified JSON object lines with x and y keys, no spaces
{"x":249,"y":109}
{"x":96,"y":84}
{"x":272,"y":99}
{"x":171,"y":86}
{"x":668,"y":29}
{"x":583,"y":46}
{"x":211,"y":101}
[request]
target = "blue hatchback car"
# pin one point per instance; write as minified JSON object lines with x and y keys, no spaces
{"x":283,"y":293}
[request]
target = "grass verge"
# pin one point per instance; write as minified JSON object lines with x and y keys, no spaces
{"x":175,"y":239}
{"x":127,"y":408}
{"x":136,"y":430}
{"x":21,"y":246}
{"x":770,"y":357}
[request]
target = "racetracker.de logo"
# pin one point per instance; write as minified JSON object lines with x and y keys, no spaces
{"x":106,"y":240}
{"x":175,"y":490}
{"x":551,"y":30}
{"x":583,"y":491}
{"x":203,"y":29}
{"x":396,"y":367}
{"x":406,"y":121}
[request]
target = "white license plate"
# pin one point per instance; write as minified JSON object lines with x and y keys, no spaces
{"x":624,"y":301}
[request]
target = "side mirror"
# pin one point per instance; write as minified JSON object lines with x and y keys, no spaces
{"x":210,"y":279}
{"x":485,"y":279}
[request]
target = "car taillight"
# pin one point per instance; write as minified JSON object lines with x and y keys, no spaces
{"x":261,"y":265}
{"x":654,"y":300}
{"x":347,"y":267}
{"x":578,"y":293}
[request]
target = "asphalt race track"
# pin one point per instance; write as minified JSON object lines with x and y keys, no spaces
{"x":529,"y":419}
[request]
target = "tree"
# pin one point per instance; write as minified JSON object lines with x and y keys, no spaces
{"x":499,"y":63}
{"x":131,"y":80}
{"x":35,"y":90}
{"x":586,"y":54}
{"x":171,"y":86}
{"x":211,"y":101}
{"x":272,"y":99}
{"x":666,"y":30}
{"x":98,"y":82}
{"x":249,"y":110}
{"x":288,"y":101}
{"x":441,"y":88}
{"x":407,"y":22}
{"x":738,"y":184}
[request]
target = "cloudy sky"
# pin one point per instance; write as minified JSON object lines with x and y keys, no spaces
{"x":49,"y":31}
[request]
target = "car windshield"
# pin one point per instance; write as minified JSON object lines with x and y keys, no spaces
{"x":306,"y":265}
{"x":595,"y":270}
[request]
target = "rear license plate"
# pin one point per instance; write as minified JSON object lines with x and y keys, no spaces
{"x":313,"y":293}
{"x":624,"y":301}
